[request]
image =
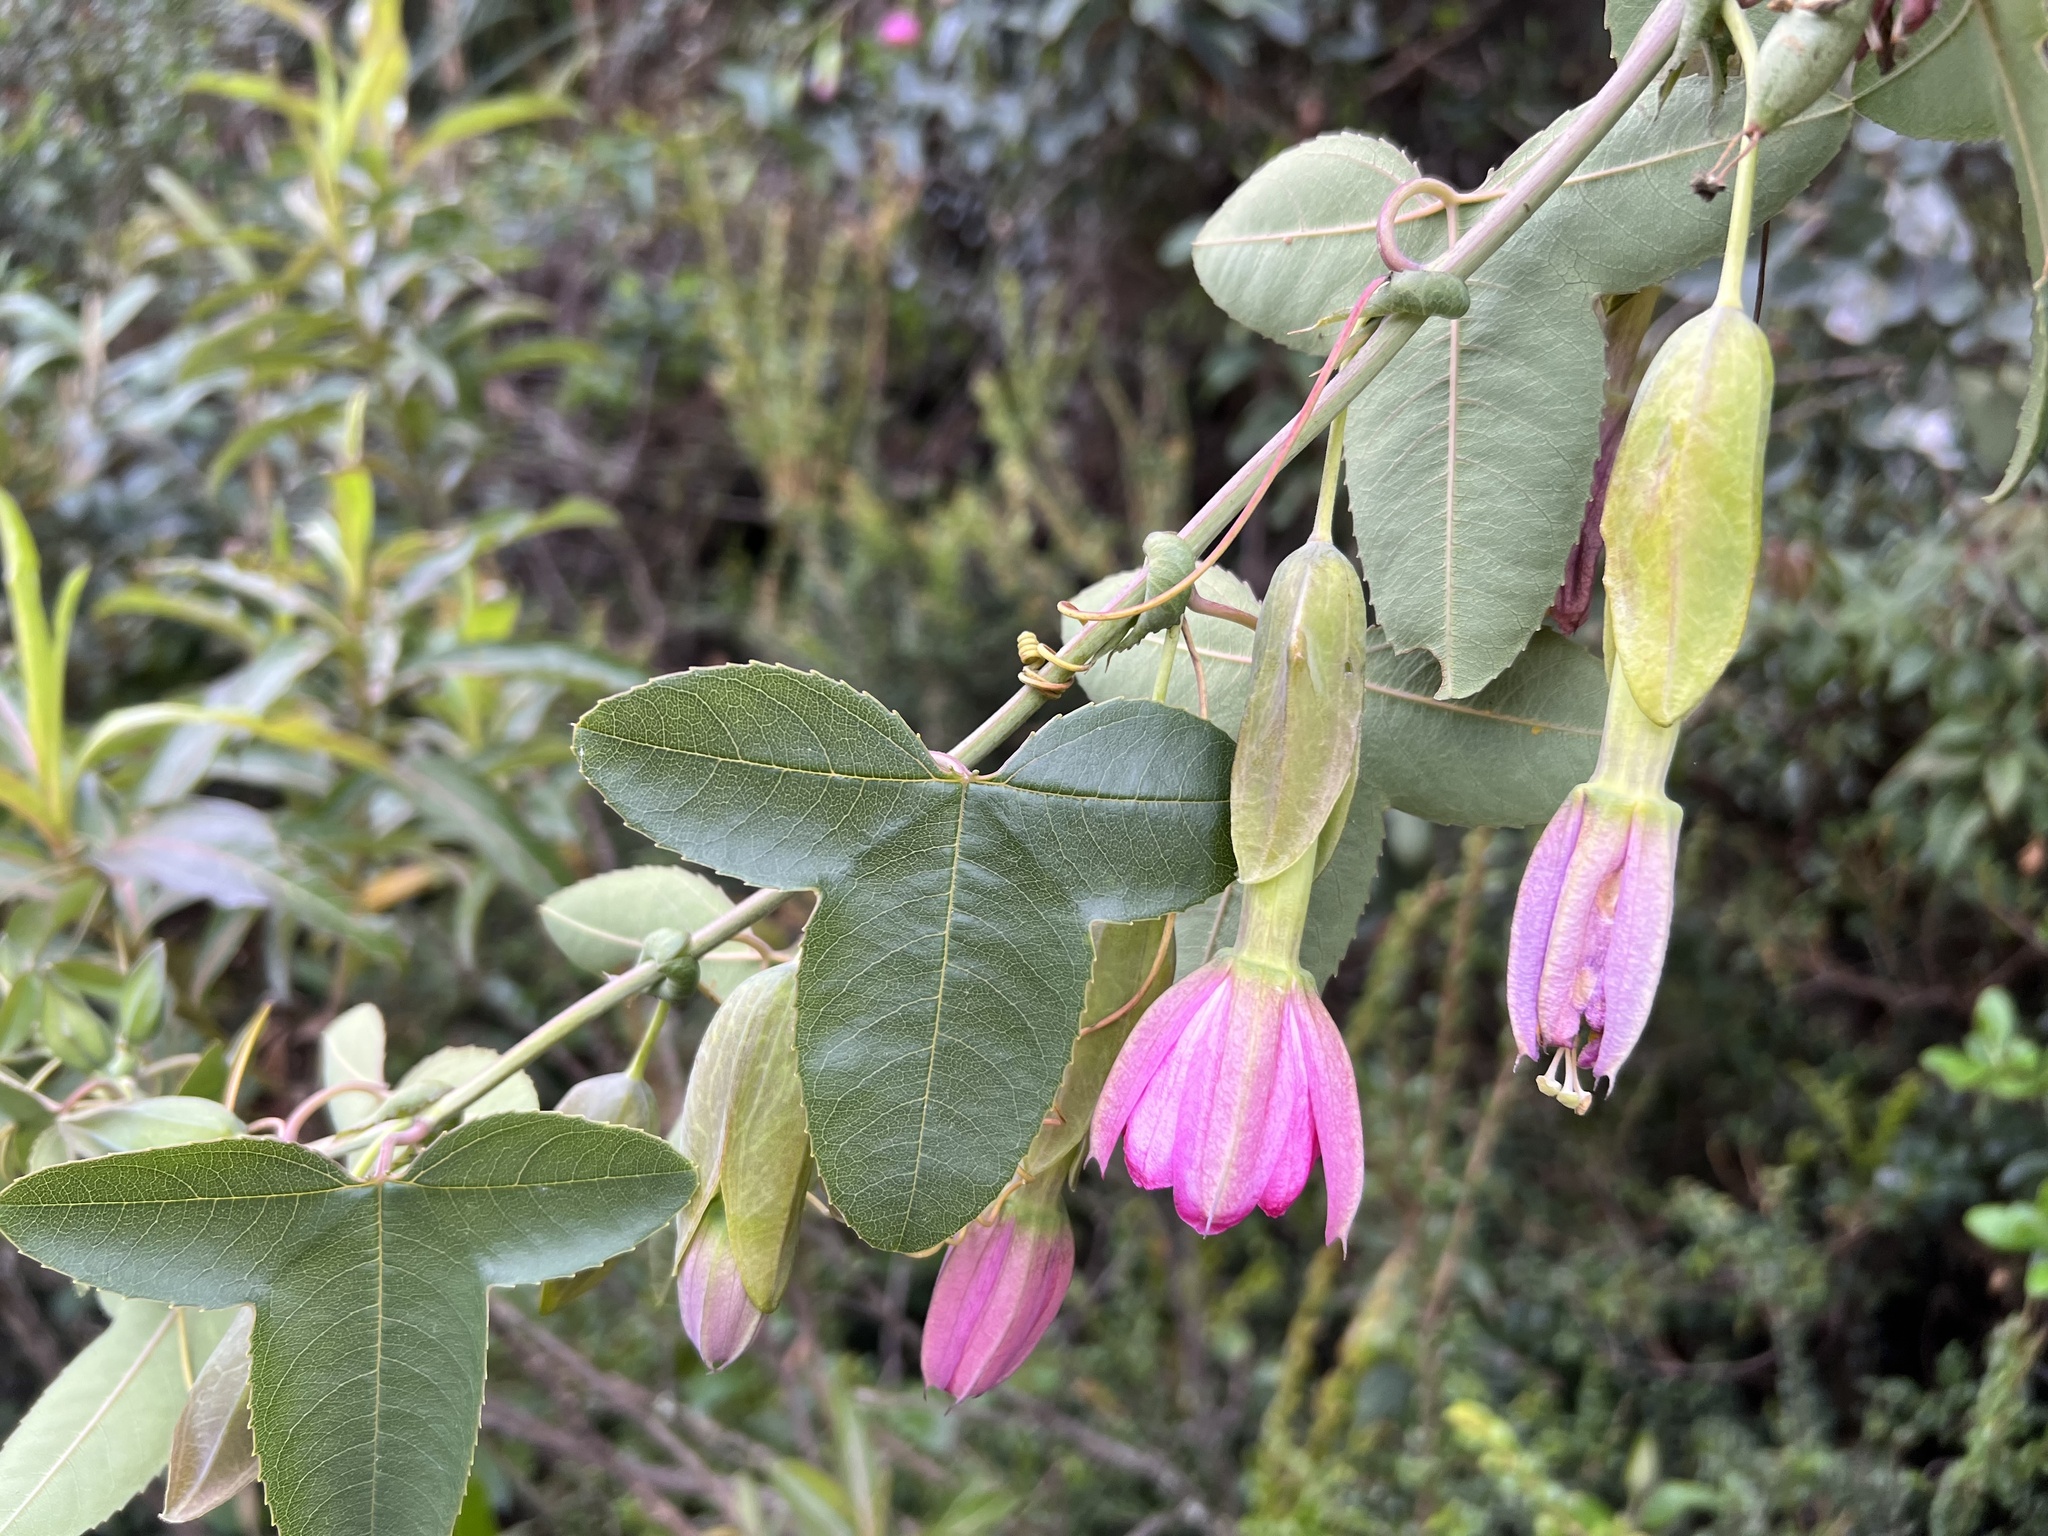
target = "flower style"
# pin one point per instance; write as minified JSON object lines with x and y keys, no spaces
{"x":717,"y":1314}
{"x":999,"y":1287}
{"x":1594,"y":912}
{"x":1237,"y":1079}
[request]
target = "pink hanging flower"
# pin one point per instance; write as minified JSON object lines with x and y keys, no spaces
{"x":899,"y":28}
{"x":1593,"y":916}
{"x":999,"y":1288}
{"x":717,"y":1314}
{"x":1231,"y":1086}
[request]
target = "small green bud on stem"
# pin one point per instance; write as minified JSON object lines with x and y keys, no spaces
{"x":1805,"y":53}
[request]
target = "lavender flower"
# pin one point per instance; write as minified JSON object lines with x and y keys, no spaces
{"x":899,"y":28}
{"x":1594,"y":912}
{"x":999,"y":1287}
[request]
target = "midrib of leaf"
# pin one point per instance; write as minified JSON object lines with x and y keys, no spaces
{"x":1451,"y":498}
{"x":1452,"y":706}
{"x":377,"y":1388}
{"x":931,"y":1054}
{"x":751,"y":762}
{"x":127,"y":1379}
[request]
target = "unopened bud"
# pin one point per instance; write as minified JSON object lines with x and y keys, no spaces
{"x":613,"y":1098}
{"x":743,"y":1127}
{"x":1805,"y":53}
{"x":1440,"y":295}
{"x":1297,"y":751}
{"x":717,"y":1314}
{"x":1169,"y":561}
{"x":1684,"y":517}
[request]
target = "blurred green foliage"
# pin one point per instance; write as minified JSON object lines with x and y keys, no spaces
{"x":877,"y":353}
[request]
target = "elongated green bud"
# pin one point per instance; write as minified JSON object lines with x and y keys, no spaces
{"x":1805,"y":54}
{"x":1684,"y":515}
{"x":1297,"y":752}
{"x":743,"y":1126}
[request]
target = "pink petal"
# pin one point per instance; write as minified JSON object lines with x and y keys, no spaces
{"x":1535,"y":912}
{"x":967,"y":1279}
{"x":1154,"y":1127}
{"x":1339,"y":1129}
{"x":1642,"y":932}
{"x":1157,"y":1033}
{"x":1219,"y":1168}
{"x":1578,"y":931}
{"x":1051,"y":1274}
{"x":1289,"y":1147}
{"x":998,"y":1290}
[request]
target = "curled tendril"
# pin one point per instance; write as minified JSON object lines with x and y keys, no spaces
{"x":1384,"y":228}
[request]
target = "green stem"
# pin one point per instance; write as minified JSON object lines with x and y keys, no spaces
{"x":1635,"y":751}
{"x":1744,"y":203}
{"x":1164,"y":678}
{"x":1333,"y":472}
{"x":637,"y":1067}
{"x":625,"y":985}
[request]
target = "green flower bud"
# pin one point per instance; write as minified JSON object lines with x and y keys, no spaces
{"x":743,"y":1127}
{"x":613,"y":1098}
{"x":1169,"y":561}
{"x":1684,"y":515}
{"x":1441,"y":295}
{"x":1297,"y":751}
{"x":1805,"y":53}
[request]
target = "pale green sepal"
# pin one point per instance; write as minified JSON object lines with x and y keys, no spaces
{"x":767,"y":1164}
{"x":1297,"y":752}
{"x":1684,"y":515}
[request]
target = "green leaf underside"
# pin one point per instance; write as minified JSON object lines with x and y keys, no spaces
{"x":944,"y":968}
{"x":1224,"y":648}
{"x":1936,"y":89}
{"x":1470,"y":469}
{"x":368,"y":1352}
{"x":1506,"y":757}
{"x":2010,"y":35}
{"x":102,"y":1429}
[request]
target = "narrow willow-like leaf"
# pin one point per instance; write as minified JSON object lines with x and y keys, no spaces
{"x":945,"y":965}
{"x":1223,"y":647}
{"x":601,"y":922}
{"x":213,"y":1452}
{"x":1506,"y":757}
{"x":367,"y":1355}
{"x":102,"y":1429}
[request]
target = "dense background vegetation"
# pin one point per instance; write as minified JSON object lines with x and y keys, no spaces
{"x":873,"y":352}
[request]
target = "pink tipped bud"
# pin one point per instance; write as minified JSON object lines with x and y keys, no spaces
{"x":1231,"y":1086}
{"x":899,"y":28}
{"x":1594,"y":913}
{"x":999,"y":1288}
{"x":717,"y":1315}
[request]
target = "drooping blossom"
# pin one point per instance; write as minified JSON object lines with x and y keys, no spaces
{"x":717,"y":1314}
{"x":899,"y":28}
{"x":999,"y":1287}
{"x":1594,"y":913}
{"x":1237,"y":1080}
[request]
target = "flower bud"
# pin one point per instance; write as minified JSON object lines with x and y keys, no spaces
{"x":717,"y":1314}
{"x":1297,"y":751}
{"x":613,"y":1098}
{"x":1684,"y":516}
{"x":1805,"y":53}
{"x":1001,"y":1284}
{"x":1169,"y":561}
{"x":743,"y":1127}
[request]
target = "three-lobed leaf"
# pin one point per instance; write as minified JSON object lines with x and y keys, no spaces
{"x":367,"y":1356}
{"x":945,"y":965}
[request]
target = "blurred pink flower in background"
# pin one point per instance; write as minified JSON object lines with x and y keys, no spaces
{"x":899,"y":28}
